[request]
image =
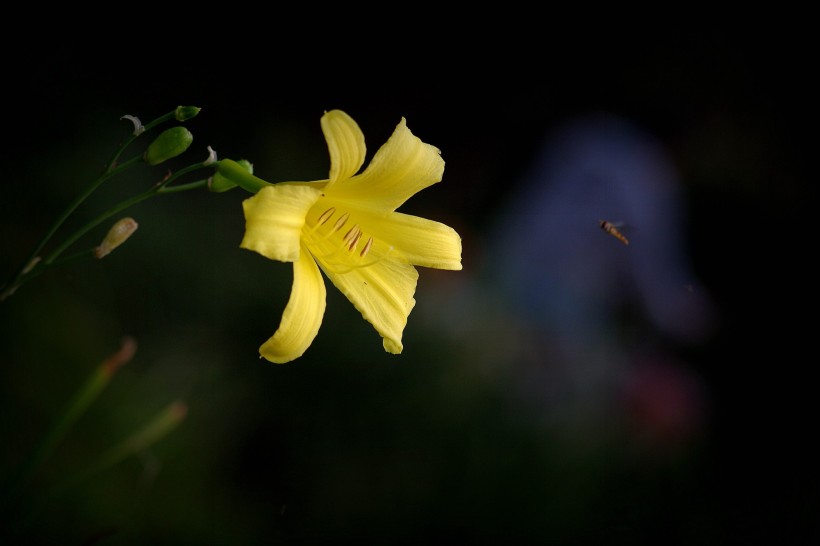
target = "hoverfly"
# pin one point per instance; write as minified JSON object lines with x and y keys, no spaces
{"x":612,"y":229}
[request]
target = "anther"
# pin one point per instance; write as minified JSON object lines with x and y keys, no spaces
{"x":326,"y":215}
{"x":366,"y":248}
{"x":352,"y":246}
{"x":351,"y":234}
{"x":340,"y":222}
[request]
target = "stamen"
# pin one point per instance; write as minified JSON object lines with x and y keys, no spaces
{"x":322,"y":220}
{"x":366,"y":248}
{"x":341,"y":268}
{"x":351,"y":234}
{"x":332,"y":256}
{"x":326,"y":215}
{"x":340,"y":222}
{"x":352,"y":246}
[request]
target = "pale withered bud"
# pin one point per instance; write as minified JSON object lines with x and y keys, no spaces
{"x":170,"y":143}
{"x":116,"y":236}
{"x":138,"y":126}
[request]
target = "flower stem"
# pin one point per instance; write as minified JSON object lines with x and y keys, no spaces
{"x":83,"y":398}
{"x":162,"y":187}
{"x":26,"y":269}
{"x":240,"y":176}
{"x":162,"y":119}
{"x":31,"y":268}
{"x":163,"y":423}
{"x":38,"y":267}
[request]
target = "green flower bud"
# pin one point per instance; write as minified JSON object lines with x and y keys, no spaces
{"x":170,"y":143}
{"x":219,"y":182}
{"x":184,"y":113}
{"x":241,"y":175}
{"x":247,"y":165}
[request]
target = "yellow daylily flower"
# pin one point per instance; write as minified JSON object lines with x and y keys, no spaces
{"x":348,"y":227}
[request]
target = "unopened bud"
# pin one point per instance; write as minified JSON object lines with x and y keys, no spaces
{"x":170,"y":143}
{"x":184,"y":113}
{"x":219,"y":182}
{"x":116,"y":236}
{"x":241,"y":175}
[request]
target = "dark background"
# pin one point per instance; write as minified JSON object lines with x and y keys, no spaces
{"x":349,"y":444}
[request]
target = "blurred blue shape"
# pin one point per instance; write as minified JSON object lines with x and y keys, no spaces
{"x":563,"y":271}
{"x":576,"y":320}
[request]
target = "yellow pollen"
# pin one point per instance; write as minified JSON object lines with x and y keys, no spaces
{"x":326,"y":215}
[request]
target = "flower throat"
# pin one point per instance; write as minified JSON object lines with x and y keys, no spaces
{"x":338,"y":247}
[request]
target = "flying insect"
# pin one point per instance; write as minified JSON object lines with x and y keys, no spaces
{"x":613,"y":230}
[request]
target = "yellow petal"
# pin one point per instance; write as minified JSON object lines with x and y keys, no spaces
{"x":302,"y":316}
{"x":345,"y":142}
{"x":383,"y":294}
{"x":403,"y":166}
{"x":274,"y":218}
{"x":421,"y":241}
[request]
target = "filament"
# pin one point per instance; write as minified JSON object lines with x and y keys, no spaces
{"x":344,"y":256}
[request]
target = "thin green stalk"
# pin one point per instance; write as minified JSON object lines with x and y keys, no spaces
{"x":199,"y":184}
{"x":52,"y":260}
{"x":162,"y":119}
{"x":163,"y":423}
{"x":77,"y":406}
{"x":160,"y":188}
{"x":26,"y":268}
{"x":111,"y":169}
